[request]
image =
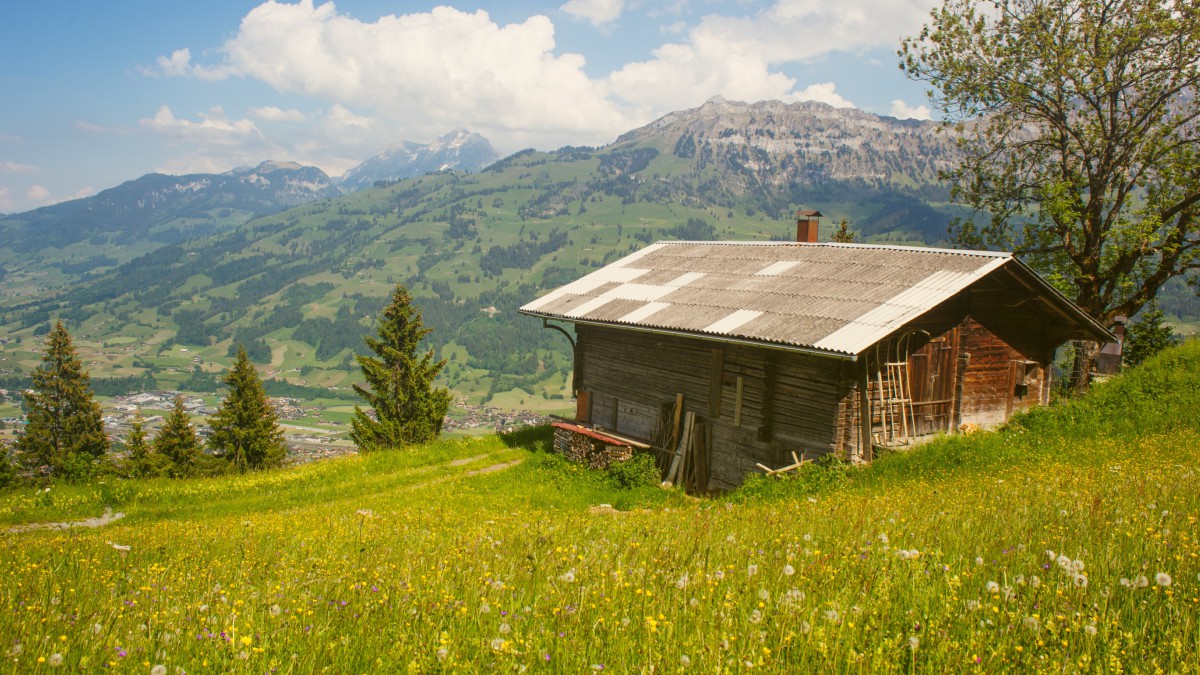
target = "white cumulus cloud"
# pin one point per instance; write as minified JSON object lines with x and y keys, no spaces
{"x":597,"y":12}
{"x":14,"y":167}
{"x":274,"y":114}
{"x":37,"y":194}
{"x":902,"y":110}
{"x":825,"y":92}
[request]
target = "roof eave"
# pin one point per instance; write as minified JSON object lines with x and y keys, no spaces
{"x":1064,"y":304}
{"x":710,"y":337}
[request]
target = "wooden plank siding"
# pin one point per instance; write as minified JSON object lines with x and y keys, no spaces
{"x":760,"y":404}
{"x":790,"y":402}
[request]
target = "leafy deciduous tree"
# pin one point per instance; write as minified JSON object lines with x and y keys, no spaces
{"x":1079,"y":126}
{"x":245,"y":429}
{"x":407,"y":407}
{"x":177,"y":442}
{"x":64,"y":424}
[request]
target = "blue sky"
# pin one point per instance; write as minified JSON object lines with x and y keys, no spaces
{"x":99,"y":93}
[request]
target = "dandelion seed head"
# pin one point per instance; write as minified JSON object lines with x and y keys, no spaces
{"x":55,"y":660}
{"x":992,"y":587}
{"x":1162,"y":579}
{"x":685,"y":661}
{"x":751,"y":569}
{"x":788,"y":570}
{"x":1090,"y":630}
{"x":979,"y":560}
{"x":1080,"y":580}
{"x":914,"y":642}
{"x":159,"y":669}
{"x":442,"y":653}
{"x":756,"y":616}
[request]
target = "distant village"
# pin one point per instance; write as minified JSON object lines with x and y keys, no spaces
{"x":305,"y":443}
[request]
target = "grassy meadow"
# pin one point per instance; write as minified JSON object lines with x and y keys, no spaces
{"x":1065,"y":542}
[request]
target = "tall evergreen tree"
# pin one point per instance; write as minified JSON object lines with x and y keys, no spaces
{"x":63,"y":421}
{"x":177,"y":442}
{"x":245,"y":429}
{"x":137,"y":447}
{"x":1147,"y":336}
{"x":407,"y":407}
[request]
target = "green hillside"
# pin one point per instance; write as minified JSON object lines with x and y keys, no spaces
{"x":300,"y":288}
{"x":1064,"y":542}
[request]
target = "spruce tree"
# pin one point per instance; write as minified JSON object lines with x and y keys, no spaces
{"x":407,"y":408}
{"x":245,"y":429}
{"x":8,"y":469}
{"x":177,"y":442}
{"x":64,"y":425}
{"x":1147,"y":336}
{"x":137,"y":447}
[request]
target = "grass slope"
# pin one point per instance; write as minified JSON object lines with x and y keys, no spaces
{"x":1064,"y":542}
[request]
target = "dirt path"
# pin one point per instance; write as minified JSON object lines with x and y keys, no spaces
{"x":104,"y":519}
{"x":466,"y":474}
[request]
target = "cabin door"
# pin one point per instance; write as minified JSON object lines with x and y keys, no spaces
{"x":932,"y":379}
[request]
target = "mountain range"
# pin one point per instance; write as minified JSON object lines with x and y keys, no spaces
{"x":300,"y":287}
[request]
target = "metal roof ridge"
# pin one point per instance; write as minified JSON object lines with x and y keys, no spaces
{"x":832,"y":244}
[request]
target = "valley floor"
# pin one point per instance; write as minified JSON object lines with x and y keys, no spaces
{"x":1064,"y":542}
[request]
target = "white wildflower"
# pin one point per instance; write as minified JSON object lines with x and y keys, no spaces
{"x":914,"y":642}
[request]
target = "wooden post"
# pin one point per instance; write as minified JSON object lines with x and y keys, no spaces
{"x":700,"y":456}
{"x":864,"y":413}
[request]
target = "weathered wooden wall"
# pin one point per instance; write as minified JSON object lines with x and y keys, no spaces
{"x":999,"y":380}
{"x":811,"y":405}
{"x":790,"y":402}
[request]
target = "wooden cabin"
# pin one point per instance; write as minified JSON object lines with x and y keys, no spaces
{"x":806,"y":348}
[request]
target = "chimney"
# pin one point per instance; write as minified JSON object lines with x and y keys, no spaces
{"x":806,"y":226}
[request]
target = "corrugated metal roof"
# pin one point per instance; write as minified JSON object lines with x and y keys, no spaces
{"x":834,"y":298}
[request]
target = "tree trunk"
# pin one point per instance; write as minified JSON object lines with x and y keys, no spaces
{"x":1086,"y":353}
